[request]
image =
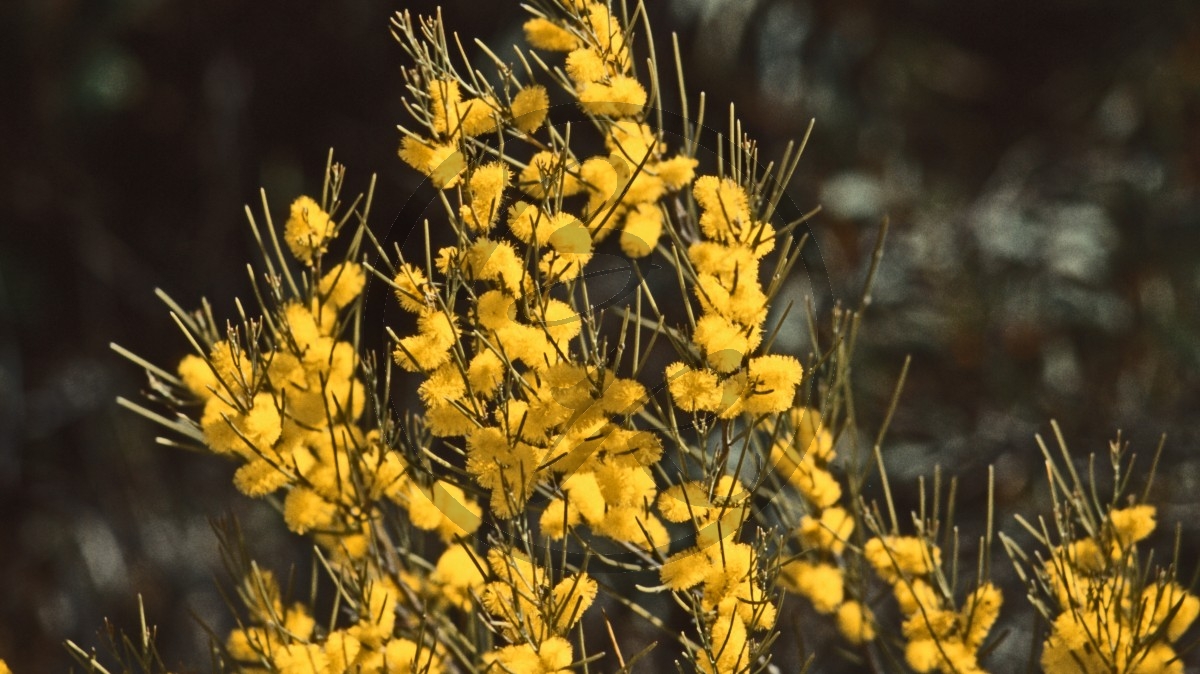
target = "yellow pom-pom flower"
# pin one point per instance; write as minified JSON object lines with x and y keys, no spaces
{"x":775,"y":380}
{"x":308,"y":230}
{"x":529,"y":108}
{"x":641,"y":230}
{"x":342,"y":284}
{"x":1132,"y":524}
{"x":856,"y":623}
{"x":486,"y":187}
{"x":545,"y":34}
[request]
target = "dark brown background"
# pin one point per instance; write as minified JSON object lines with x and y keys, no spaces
{"x":1039,"y":161}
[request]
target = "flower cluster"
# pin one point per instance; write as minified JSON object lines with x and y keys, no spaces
{"x":284,"y":639}
{"x":724,"y":574}
{"x":726,"y":267}
{"x":939,"y":637}
{"x":1113,"y":619}
{"x":802,"y":457}
{"x":543,"y":452}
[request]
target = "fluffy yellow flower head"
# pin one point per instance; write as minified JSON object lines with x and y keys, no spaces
{"x":529,"y":108}
{"x":856,"y":623}
{"x":775,"y":380}
{"x":342,"y":285}
{"x":822,"y":584}
{"x":623,"y":97}
{"x":308,"y":229}
{"x":828,"y":532}
{"x":907,"y":555}
{"x":485,"y":187}
{"x":1132,"y":524}
{"x":442,"y":163}
{"x":545,"y":34}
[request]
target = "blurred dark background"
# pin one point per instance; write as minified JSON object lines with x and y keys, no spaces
{"x":1039,"y":161}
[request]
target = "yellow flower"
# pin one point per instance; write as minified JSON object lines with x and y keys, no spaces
{"x":643,"y":186}
{"x":725,"y":209}
{"x":341,"y":648}
{"x":693,"y":390}
{"x":893,"y":555}
{"x":453,"y":116}
{"x":856,"y":623}
{"x":495,"y":309}
{"x":622,"y":97}
{"x":979,"y":613}
{"x":509,"y":470}
{"x":724,"y":262}
{"x":546,"y":170}
{"x":1159,"y":658}
{"x":1132,"y":524}
{"x":685,"y":569}
{"x":1085,"y":555}
{"x":308,"y":229}
{"x":724,"y":343}
{"x":922,"y":655}
{"x":198,"y":377}
{"x":745,"y":305}
{"x":560,"y":321}
{"x":527,"y":222}
{"x":445,"y":384}
{"x":571,"y":597}
{"x":457,"y":573}
{"x":301,"y":325}
{"x":568,"y":235}
{"x":606,"y":29}
{"x":600,"y":177}
{"x":342,"y":285}
{"x":585,"y":66}
{"x":489,"y":260}
{"x":817,"y":485}
{"x":407,"y":657}
{"x":632,"y":141}
{"x":429,"y":349}
{"x":676,"y":171}
{"x":298,"y":622}
{"x":1071,"y":646}
{"x":442,"y":163}
{"x":554,"y":656}
{"x":301,"y":659}
{"x":822,"y":584}
{"x":829,"y":532}
{"x":915,"y":595}
{"x":585,"y":495}
{"x":641,"y":230}
{"x":544,"y":34}
{"x":442,"y":507}
{"x":444,"y":101}
{"x":226,"y":430}
{"x":245,"y":644}
{"x":479,"y":116}
{"x":775,"y":380}
{"x":558,"y":267}
{"x":447,"y":258}
{"x":259,"y":477}
{"x":728,"y":646}
{"x":682,"y":503}
{"x":485,"y":373}
{"x":530,"y":107}
{"x":1169,"y":599}
{"x":486,"y":187}
{"x":304,"y":510}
